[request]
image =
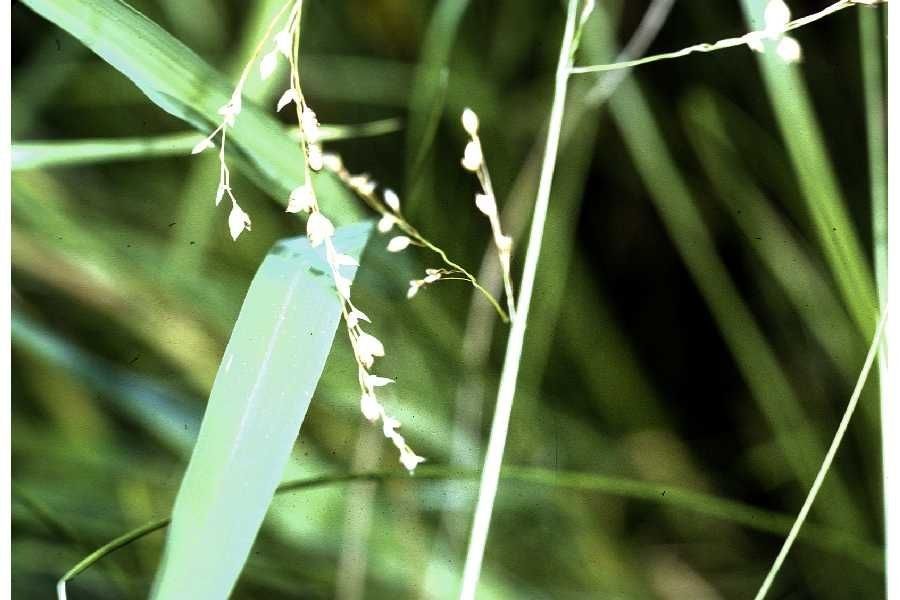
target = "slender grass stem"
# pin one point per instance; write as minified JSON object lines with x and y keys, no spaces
{"x":509,"y":375}
{"x":826,"y":463}
{"x":718,"y":508}
{"x":890,"y":389}
{"x":725,"y":43}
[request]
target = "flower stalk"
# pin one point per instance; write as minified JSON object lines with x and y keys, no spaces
{"x":509,"y":376}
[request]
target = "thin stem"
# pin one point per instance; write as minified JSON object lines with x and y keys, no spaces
{"x":720,"y":508}
{"x":826,"y":463}
{"x":469,"y":276}
{"x":725,"y":43}
{"x":509,"y":376}
{"x":890,"y":373}
{"x":371,"y":200}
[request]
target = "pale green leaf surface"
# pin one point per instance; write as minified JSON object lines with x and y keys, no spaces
{"x":262,"y":391}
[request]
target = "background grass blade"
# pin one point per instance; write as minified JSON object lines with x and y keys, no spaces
{"x":258,"y":402}
{"x":41,"y":154}
{"x":770,"y":385}
{"x":832,"y":225}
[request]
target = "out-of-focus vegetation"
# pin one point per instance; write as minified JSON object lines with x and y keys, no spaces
{"x":704,"y":303}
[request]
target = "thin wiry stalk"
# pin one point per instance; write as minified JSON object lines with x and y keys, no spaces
{"x":826,"y":463}
{"x":725,"y":43}
{"x":364,"y":188}
{"x":509,"y":376}
{"x":652,"y":21}
{"x":730,"y":511}
{"x":890,"y":390}
{"x":871,"y":53}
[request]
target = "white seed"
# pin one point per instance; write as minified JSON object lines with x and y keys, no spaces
{"x":368,"y":347}
{"x":472,"y":157}
{"x":392,"y":200}
{"x":316,"y":162}
{"x":385,"y":223}
{"x":376,"y":381}
{"x":332,"y":162}
{"x":486,"y":204}
{"x":310,"y":125}
{"x":284,"y":43}
{"x":238,"y":221}
{"x":302,"y":199}
{"x":231,"y":110}
{"x":355,"y":316}
{"x":202,"y":145}
{"x":789,"y":50}
{"x":267,"y":64}
{"x":318,"y":228}
{"x":370,"y":407}
{"x":398,"y":243}
{"x":362,"y":184}
{"x":286,"y":98}
{"x":389,"y":426}
{"x":409,"y":459}
{"x":470,"y":122}
{"x":220,"y":193}
{"x":343,"y":286}
{"x":414,"y":286}
{"x":776,"y":16}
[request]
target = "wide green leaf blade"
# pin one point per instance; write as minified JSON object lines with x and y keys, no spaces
{"x":261,"y":393}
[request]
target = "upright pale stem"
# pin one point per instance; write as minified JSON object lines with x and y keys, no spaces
{"x":826,"y":464}
{"x":890,"y":411}
{"x":509,"y":376}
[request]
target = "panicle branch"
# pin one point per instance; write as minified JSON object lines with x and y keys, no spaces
{"x":486,"y":201}
{"x":319,"y":228}
{"x":387,"y":205}
{"x":777,"y":23}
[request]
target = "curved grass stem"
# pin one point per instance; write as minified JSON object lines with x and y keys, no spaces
{"x":710,"y":506}
{"x":826,"y":463}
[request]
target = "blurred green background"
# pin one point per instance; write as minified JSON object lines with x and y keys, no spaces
{"x":695,"y":336}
